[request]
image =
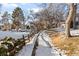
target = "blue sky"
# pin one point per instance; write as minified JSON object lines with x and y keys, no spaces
{"x":9,"y":7}
{"x":24,"y":6}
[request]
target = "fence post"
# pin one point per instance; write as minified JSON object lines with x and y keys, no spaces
{"x":23,"y":36}
{"x":28,"y":36}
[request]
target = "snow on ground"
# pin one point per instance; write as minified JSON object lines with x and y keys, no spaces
{"x":58,"y":29}
{"x":41,"y":42}
{"x":15,"y":35}
{"x":44,"y":48}
{"x":44,"y":51}
{"x":28,"y":48}
{"x":74,"y":32}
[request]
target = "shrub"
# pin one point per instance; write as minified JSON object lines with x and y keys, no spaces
{"x":10,"y":46}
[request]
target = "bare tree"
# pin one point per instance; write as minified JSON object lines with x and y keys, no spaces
{"x":53,"y":14}
{"x":71,"y":16}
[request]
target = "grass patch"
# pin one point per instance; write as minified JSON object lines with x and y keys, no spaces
{"x":69,"y":45}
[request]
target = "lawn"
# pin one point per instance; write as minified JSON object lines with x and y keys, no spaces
{"x":70,"y":45}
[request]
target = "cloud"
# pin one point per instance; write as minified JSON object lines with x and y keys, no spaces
{"x":22,"y":3}
{"x":35,"y":9}
{"x":15,"y":5}
{"x":9,"y":5}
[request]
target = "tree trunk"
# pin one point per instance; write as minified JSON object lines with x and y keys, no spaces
{"x":70,"y":18}
{"x":74,"y":22}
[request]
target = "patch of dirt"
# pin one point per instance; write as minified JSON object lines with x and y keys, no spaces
{"x":69,"y":45}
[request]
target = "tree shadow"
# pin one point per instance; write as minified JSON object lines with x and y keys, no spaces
{"x":74,"y":36}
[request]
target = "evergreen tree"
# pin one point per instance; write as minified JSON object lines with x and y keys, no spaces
{"x":18,"y":17}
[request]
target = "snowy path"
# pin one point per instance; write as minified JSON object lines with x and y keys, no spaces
{"x":28,"y":48}
{"x":44,"y":46}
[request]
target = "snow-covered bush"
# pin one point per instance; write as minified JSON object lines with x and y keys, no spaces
{"x":10,"y":46}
